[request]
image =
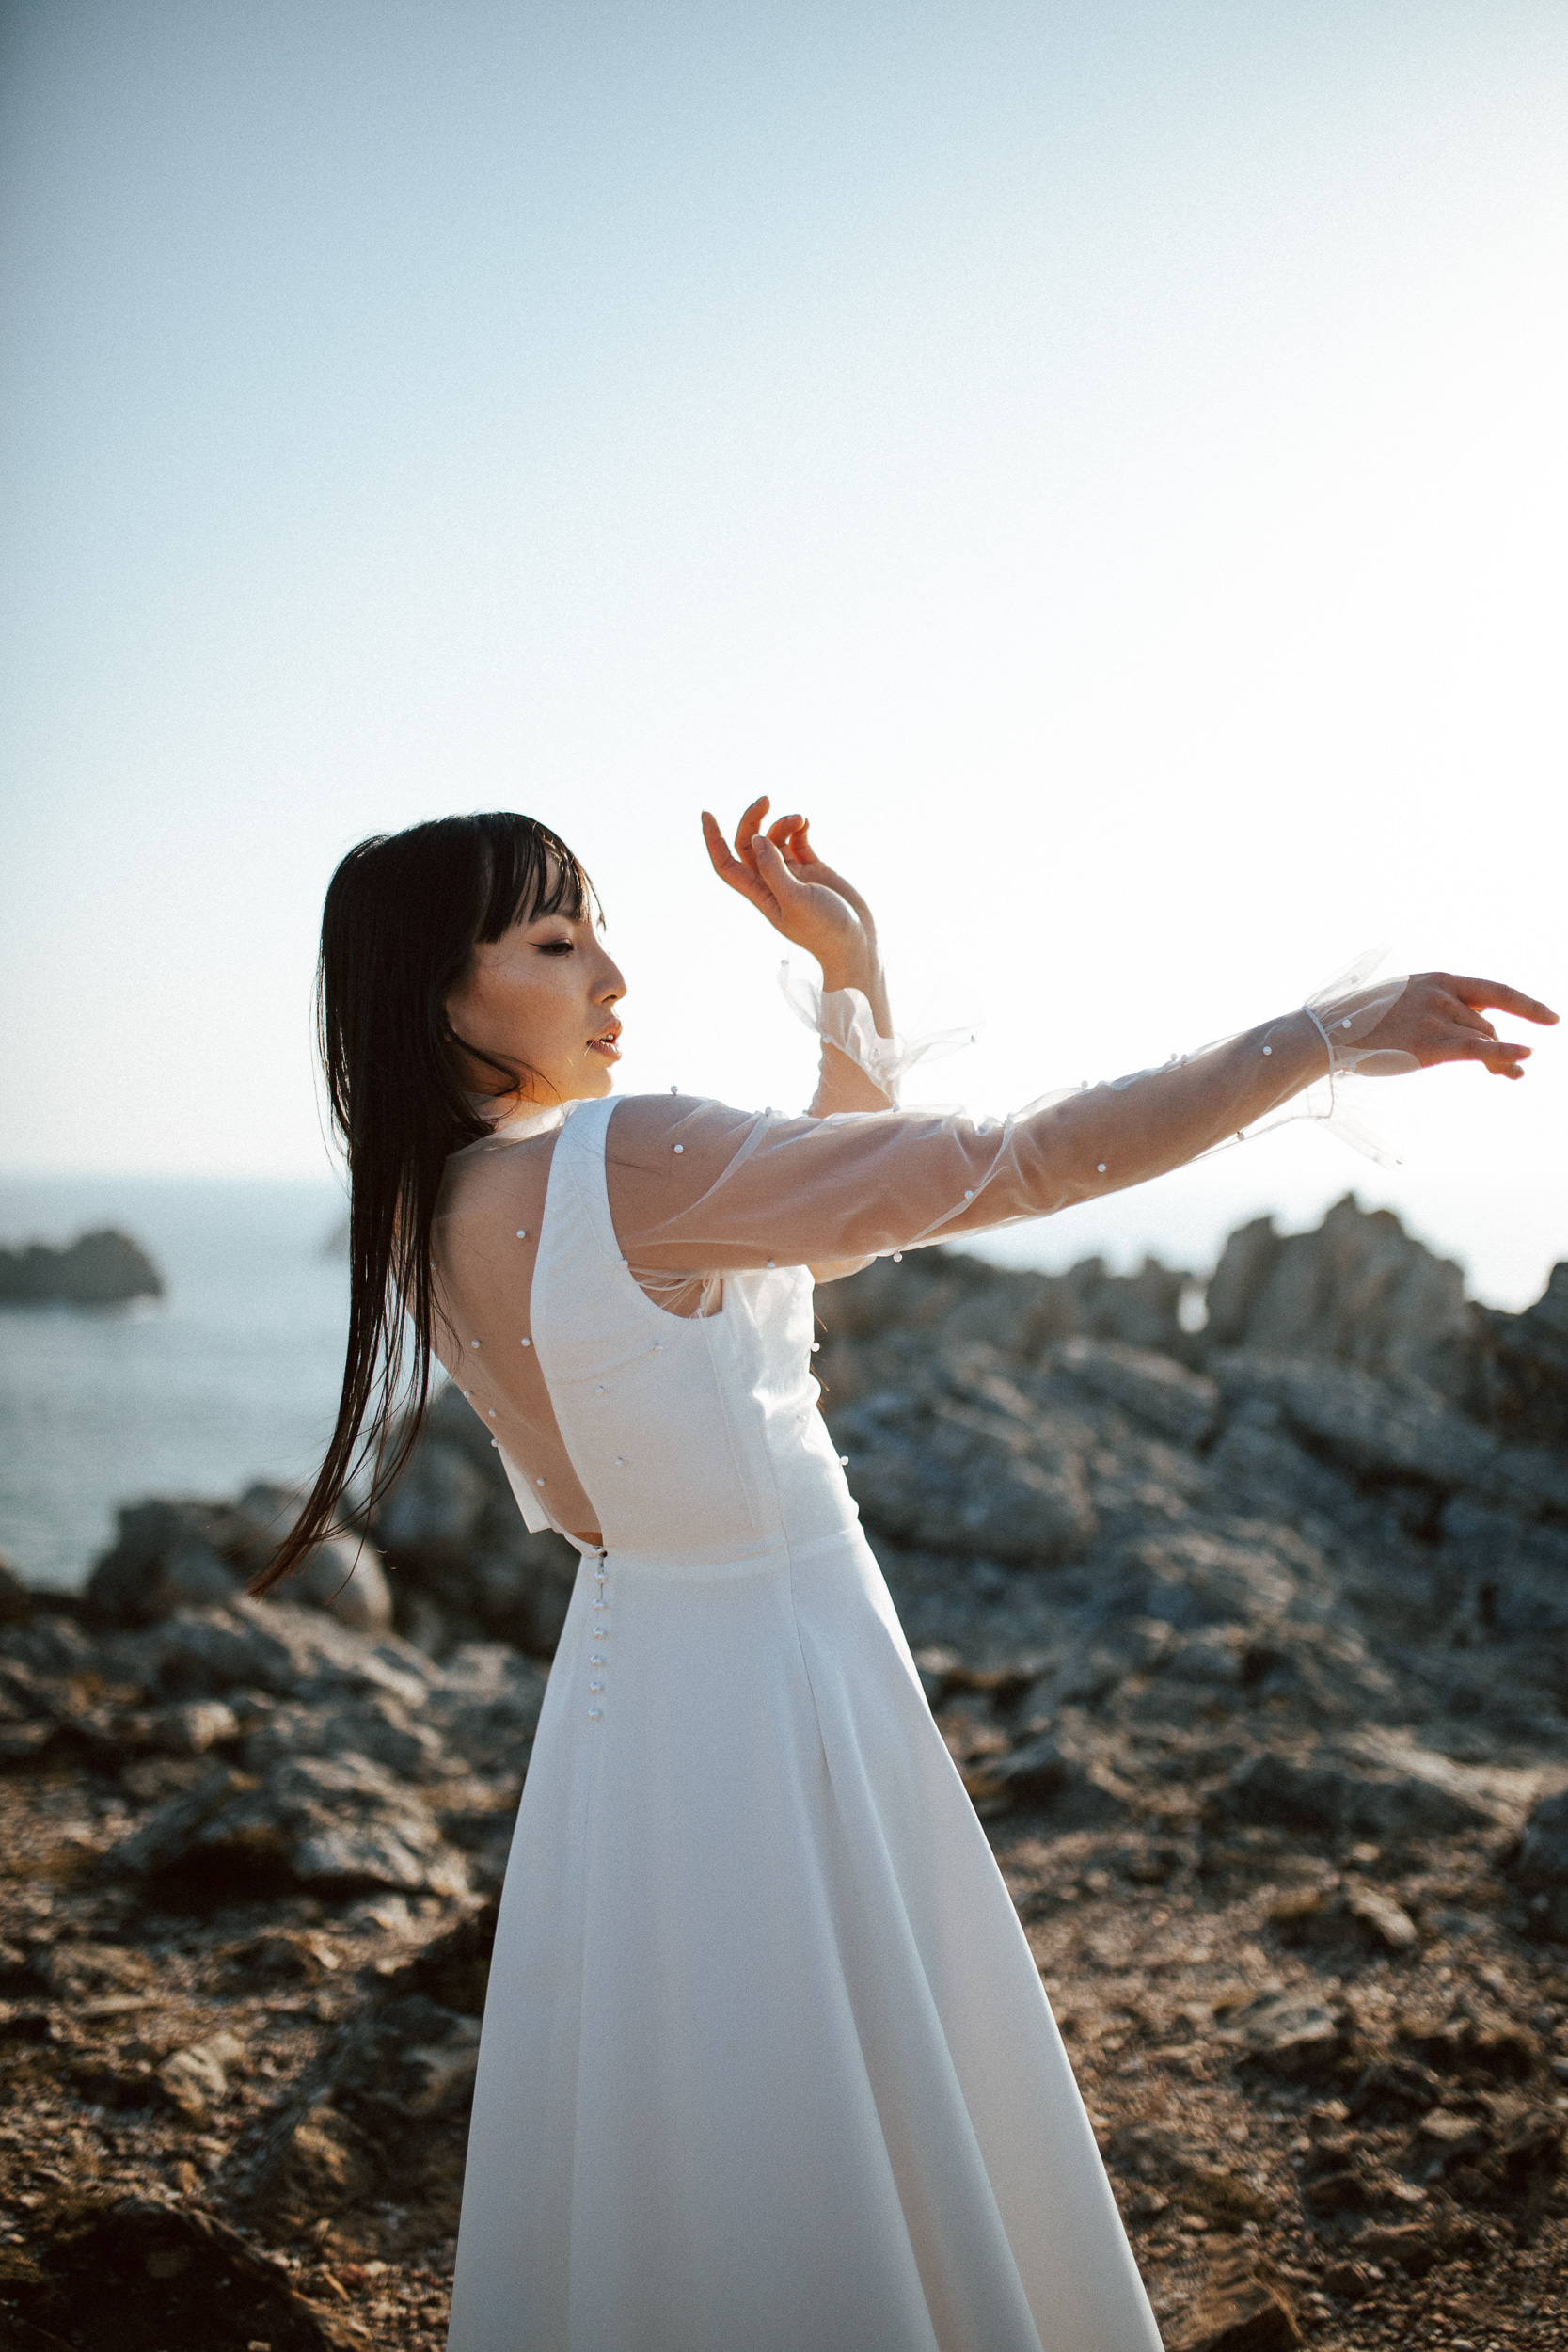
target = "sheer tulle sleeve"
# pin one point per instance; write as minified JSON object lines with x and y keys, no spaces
{"x":697,"y":1188}
{"x":860,"y":1070}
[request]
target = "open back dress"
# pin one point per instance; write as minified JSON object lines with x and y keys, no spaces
{"x":766,"y":2064}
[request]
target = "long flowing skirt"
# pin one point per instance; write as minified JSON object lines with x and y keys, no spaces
{"x":766,"y":2064}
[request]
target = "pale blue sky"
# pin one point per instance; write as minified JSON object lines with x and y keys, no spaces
{"x":1105,"y":462}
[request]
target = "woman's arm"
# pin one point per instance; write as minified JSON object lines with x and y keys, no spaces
{"x":697,"y":1187}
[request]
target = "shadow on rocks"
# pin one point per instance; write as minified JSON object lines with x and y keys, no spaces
{"x":133,"y":2274}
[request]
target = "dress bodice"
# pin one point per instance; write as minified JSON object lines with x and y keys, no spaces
{"x":691,"y":1434}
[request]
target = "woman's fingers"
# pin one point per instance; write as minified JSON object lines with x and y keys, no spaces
{"x":746,"y":832}
{"x":739,"y":875}
{"x":1471,"y":1037}
{"x":1494,"y":996}
{"x":773,"y":870}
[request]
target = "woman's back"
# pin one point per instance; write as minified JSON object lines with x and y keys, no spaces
{"x":620,"y":1421}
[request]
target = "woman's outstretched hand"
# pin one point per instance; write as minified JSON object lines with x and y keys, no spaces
{"x":1442,"y":1017}
{"x":816,"y":909}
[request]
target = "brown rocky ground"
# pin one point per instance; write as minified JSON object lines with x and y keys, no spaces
{"x":1248,"y":1642}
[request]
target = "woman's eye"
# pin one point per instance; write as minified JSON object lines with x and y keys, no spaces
{"x":555,"y":946}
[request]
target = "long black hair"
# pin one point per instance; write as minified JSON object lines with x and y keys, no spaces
{"x":404,"y":914}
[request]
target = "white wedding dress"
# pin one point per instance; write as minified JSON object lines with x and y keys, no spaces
{"x":766,"y":2064}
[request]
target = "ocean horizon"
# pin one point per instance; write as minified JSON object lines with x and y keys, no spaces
{"x":232,"y":1377}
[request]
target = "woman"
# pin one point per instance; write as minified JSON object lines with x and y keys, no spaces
{"x":767,"y":2065}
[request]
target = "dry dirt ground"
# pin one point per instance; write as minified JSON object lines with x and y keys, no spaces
{"x":1271,"y":2197}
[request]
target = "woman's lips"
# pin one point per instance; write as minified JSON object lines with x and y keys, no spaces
{"x":606,"y":1046}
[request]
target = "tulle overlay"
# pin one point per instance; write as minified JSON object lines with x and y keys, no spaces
{"x":767,"y":2065}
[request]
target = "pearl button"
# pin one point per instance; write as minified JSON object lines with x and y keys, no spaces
{"x":816,"y":1348}
{"x":680,"y":1148}
{"x":1344,"y":1024}
{"x":538,"y":1482}
{"x":1099,"y":1167}
{"x":844,"y":1462}
{"x":526,"y":1342}
{"x":598,"y":1387}
{"x":770,"y":1266}
{"x":473,"y":1342}
{"x":521,"y":1235}
{"x":620,"y":1461}
{"x":496,"y":1444}
{"x":898,"y":1257}
{"x":1268,"y":1049}
{"x":492,"y":1412}
{"x":595,"y":1713}
{"x":969,"y":1196}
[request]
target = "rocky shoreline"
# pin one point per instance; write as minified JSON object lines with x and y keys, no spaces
{"x":1247,"y":1638}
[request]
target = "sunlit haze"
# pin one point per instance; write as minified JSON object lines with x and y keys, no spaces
{"x":1107,"y":464}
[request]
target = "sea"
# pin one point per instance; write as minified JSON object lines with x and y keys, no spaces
{"x":233,"y":1375}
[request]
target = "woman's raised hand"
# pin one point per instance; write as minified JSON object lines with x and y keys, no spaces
{"x":1442,"y":1017}
{"x":784,"y":878}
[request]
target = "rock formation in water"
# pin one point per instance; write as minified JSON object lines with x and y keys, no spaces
{"x":1248,"y":1642}
{"x":105,"y":1268}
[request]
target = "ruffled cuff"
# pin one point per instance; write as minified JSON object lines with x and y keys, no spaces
{"x":1345,"y":1013}
{"x":843,"y":1017}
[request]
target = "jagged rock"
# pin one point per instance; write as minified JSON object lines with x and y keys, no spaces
{"x":314,"y":2163}
{"x":1416,"y":2247}
{"x":486,"y":1705}
{"x":953,"y":1299}
{"x":454,"y":1971}
{"x":1515,"y":1575}
{"x":259,"y":1646}
{"x":105,"y":1268}
{"x":1288,"y":2033}
{"x":189,"y":1554}
{"x":1196,"y":1579}
{"x":194,"y":2078}
{"x":1373,"y":1429}
{"x":340,"y":1825}
{"x":168,"y":1556}
{"x":16,"y":1601}
{"x":89,"y":1972}
{"x":371,"y":1724}
{"x":1358,"y":1289}
{"x":1183,"y":1406}
{"x":343,"y":1575}
{"x":1469,"y":2038}
{"x":410,"y":2060}
{"x":1391,"y":2090}
{"x":957,"y":1458}
{"x":1042,"y":1772}
{"x":135,"y":2274}
{"x":287,"y":1955}
{"x":1235,"y":2312}
{"x":1539,"y":1863}
{"x":1518,"y":1368}
{"x":1337,"y":1800}
{"x":1389,"y":1927}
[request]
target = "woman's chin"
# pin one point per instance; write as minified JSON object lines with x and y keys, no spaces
{"x":598,"y":1078}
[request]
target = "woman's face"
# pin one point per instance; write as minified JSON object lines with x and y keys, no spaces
{"x":540,"y":998}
